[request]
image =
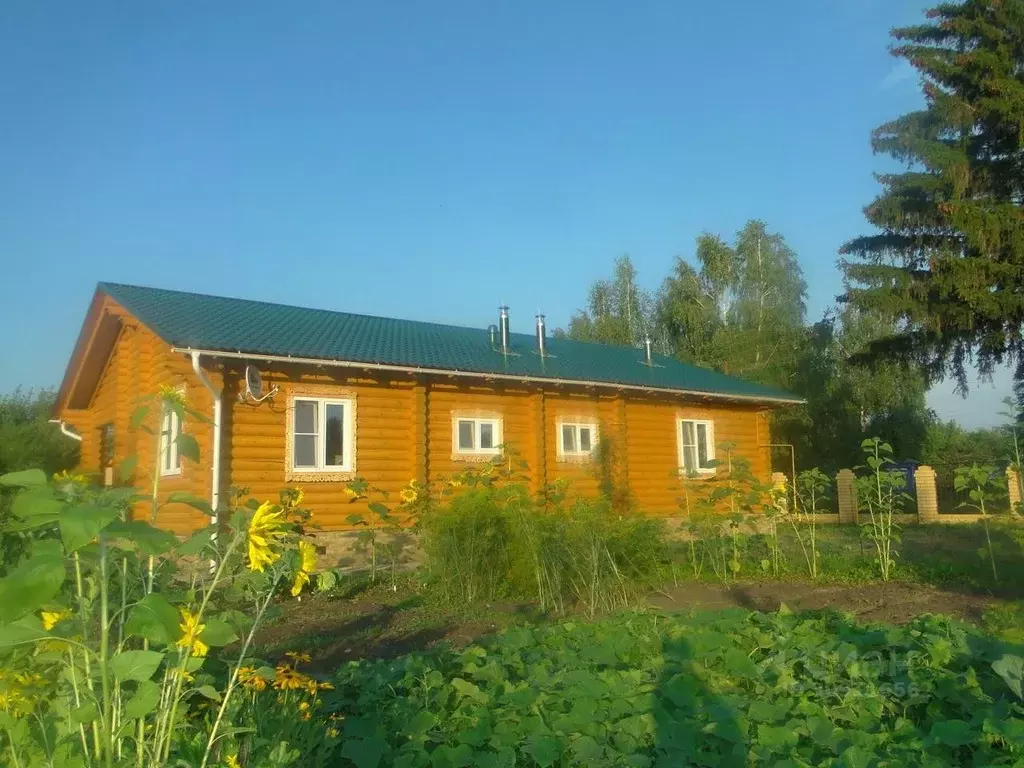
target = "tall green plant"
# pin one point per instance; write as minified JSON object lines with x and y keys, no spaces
{"x":812,"y":486}
{"x":107,"y":623}
{"x":881,"y":493}
{"x":981,"y":484}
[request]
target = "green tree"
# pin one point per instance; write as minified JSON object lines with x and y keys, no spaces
{"x":27,"y":439}
{"x":948,"y":261}
{"x":741,"y":309}
{"x":618,"y":310}
{"x":847,"y":402}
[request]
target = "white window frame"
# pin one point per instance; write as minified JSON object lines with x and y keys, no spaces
{"x":576,"y":425}
{"x":347,"y":433}
{"x":478,"y":421}
{"x":170,"y":430}
{"x":709,"y":446}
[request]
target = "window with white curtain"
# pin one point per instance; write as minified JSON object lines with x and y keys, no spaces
{"x":696,"y":446}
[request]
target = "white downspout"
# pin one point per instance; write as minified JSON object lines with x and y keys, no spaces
{"x":65,"y":431}
{"x":218,"y":406}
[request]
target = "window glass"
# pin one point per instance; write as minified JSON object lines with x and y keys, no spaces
{"x":334,"y":435}
{"x":486,"y":434}
{"x":305,"y":417}
{"x":568,"y":438}
{"x":304,"y":453}
{"x":466,"y":429}
{"x":170,"y":428}
{"x":702,"y":445}
{"x":585,"y":439}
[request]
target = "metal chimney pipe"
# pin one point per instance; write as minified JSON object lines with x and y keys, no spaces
{"x":647,"y":350}
{"x":503,"y":328}
{"x":541,"y":340}
{"x":492,"y":333}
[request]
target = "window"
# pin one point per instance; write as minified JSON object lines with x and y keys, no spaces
{"x":321,"y":435}
{"x":106,"y":446}
{"x":576,"y":439}
{"x":481,"y":436}
{"x":170,"y":429}
{"x":696,"y":446}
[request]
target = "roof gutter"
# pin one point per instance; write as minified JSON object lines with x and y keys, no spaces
{"x":218,"y":408}
{"x":476,"y":375}
{"x":65,"y":431}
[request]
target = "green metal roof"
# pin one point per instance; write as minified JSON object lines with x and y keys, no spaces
{"x":215,"y":323}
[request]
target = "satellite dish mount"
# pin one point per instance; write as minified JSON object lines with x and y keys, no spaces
{"x":254,"y":386}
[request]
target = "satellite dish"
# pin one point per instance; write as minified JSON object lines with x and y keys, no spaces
{"x":253,"y":382}
{"x":254,"y":385}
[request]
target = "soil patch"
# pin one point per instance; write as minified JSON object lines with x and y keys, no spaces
{"x":892,"y":603}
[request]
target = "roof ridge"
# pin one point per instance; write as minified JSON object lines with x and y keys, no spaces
{"x":103,"y":284}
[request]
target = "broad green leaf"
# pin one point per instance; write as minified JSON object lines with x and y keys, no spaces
{"x":80,"y":525}
{"x":148,"y":539}
{"x":33,"y":583}
{"x":188,"y":447}
{"x":86,"y":713}
{"x":545,"y":750}
{"x":36,"y":502}
{"x":197,"y":542}
{"x":145,"y":700}
{"x":183,"y":497}
{"x":135,"y":665}
{"x":139,"y":416}
{"x":126,"y":469}
{"x":25,"y":478}
{"x":218,"y":632}
{"x":378,"y":509}
{"x":421,"y":722}
{"x":364,"y":753}
{"x":467,"y":688}
{"x":459,"y":756}
{"x":209,"y":692}
{"x":155,"y":619}
{"x":952,"y":733}
{"x":1011,"y":669}
{"x":23,"y":631}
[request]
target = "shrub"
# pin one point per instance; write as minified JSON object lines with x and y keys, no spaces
{"x":493,"y":539}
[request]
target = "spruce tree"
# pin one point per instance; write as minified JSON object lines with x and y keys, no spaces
{"x":948,"y":262}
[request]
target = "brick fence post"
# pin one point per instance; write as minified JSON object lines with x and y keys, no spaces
{"x":927,"y":498}
{"x":846,"y":493}
{"x":1013,"y":487}
{"x":780,"y":486}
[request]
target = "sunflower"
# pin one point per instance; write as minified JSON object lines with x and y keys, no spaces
{"x":266,"y":527}
{"x":409,"y":493}
{"x":231,"y":761}
{"x":53,"y":618}
{"x":191,"y":629}
{"x":307,"y":562}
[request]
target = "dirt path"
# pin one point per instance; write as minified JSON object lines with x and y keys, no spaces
{"x":892,"y":603}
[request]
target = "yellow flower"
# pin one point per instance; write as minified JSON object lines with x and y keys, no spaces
{"x":332,"y":733}
{"x":250,"y":679}
{"x":265,"y":529}
{"x":231,"y":761}
{"x":191,"y":629}
{"x":287,"y":679}
{"x":325,"y":686}
{"x":171,"y":396}
{"x":53,"y":618}
{"x":298,"y":656}
{"x":65,"y":477}
{"x":350,"y":493}
{"x":307,"y":564}
{"x":409,"y":494}
{"x":455,"y":483}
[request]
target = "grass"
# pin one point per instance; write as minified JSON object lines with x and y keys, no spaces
{"x":358,"y":619}
{"x":938,"y":555}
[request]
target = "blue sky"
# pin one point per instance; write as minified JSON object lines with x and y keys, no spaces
{"x":424,"y":159}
